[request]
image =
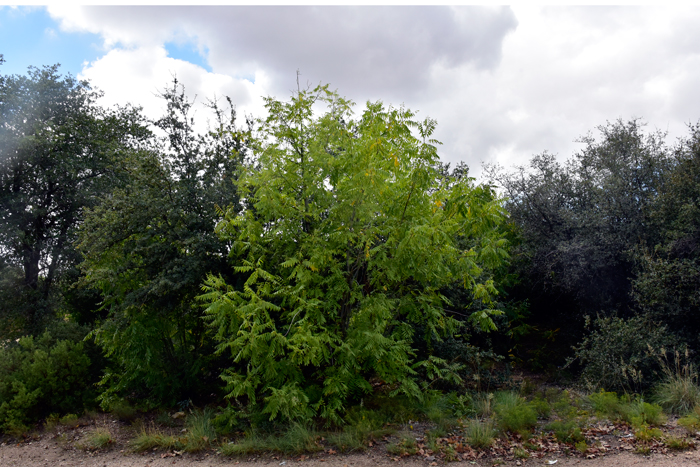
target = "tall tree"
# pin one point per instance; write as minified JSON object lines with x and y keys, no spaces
{"x":581,"y":221}
{"x":58,"y":151}
{"x":149,"y":245}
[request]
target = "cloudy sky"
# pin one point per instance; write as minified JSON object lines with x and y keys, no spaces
{"x":503,"y":83}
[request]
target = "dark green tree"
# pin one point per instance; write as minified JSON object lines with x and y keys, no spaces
{"x":668,"y":286}
{"x":58,"y":153}
{"x":580,"y":223}
{"x":149,"y":245}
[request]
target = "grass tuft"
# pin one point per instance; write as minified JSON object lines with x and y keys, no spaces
{"x":480,"y":433}
{"x":99,"y":438}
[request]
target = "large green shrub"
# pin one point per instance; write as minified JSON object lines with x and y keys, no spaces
{"x":349,"y":235}
{"x":40,"y":376}
{"x":616,"y":356}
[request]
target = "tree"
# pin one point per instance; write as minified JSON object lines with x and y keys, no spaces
{"x":149,"y":245}
{"x":668,"y":284}
{"x":345,"y":245}
{"x":581,"y":222}
{"x":58,"y":150}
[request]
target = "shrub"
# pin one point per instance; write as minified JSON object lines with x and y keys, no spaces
{"x":615,"y":354}
{"x":40,"y":376}
{"x":479,"y":433}
{"x":200,"y":431}
{"x":405,"y":446}
{"x":566,"y":431}
{"x":691,"y":422}
{"x":99,"y":438}
{"x":514,"y":413}
{"x":678,"y":392}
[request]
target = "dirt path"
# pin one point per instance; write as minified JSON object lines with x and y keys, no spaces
{"x":47,"y":453}
{"x":61,"y":447}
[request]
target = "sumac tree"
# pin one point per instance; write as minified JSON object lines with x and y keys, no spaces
{"x":347,"y":240}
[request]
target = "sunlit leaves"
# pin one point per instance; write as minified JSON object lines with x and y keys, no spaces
{"x":348,"y":239}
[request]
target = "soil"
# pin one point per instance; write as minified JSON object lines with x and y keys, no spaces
{"x":64,"y":446}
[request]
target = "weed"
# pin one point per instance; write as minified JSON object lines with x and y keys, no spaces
{"x":643,"y":449}
{"x":566,"y":431}
{"x":68,"y":420}
{"x":99,"y":438}
{"x":542,"y":407}
{"x":200,"y":431}
{"x":363,"y":426}
{"x":606,"y":404}
{"x":514,"y":413}
{"x":123,"y":410}
{"x":483,"y":405}
{"x":521,"y":453}
{"x":451,"y":454}
{"x":562,"y":404}
{"x":152,"y":438}
{"x":677,"y":443}
{"x":164,"y":419}
{"x":405,"y":446}
{"x":679,"y":391}
{"x":51,"y":422}
{"x":640,"y":413}
{"x":691,"y":422}
{"x":479,"y":433}
{"x":582,"y":447}
{"x":645,"y":433}
{"x":298,"y":439}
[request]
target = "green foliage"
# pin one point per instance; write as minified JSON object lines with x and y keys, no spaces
{"x":635,"y":412}
{"x":348,"y":237}
{"x":514,"y":413}
{"x":297,"y":439}
{"x":200,"y":431}
{"x":149,"y":245}
{"x":59,"y":153}
{"x":677,"y":443}
{"x":151,"y":438}
{"x":579,"y":219}
{"x":404,"y":446}
{"x":615,"y":355}
{"x":98,"y":438}
{"x":480,"y":433}
{"x":40,"y":376}
{"x":668,"y":285}
{"x":691,"y":422}
{"x":566,"y":431}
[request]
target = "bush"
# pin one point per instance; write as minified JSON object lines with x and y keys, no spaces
{"x":479,"y":433}
{"x":514,"y":413}
{"x":42,"y":376}
{"x":678,"y":392}
{"x":615,"y":355}
{"x":566,"y":431}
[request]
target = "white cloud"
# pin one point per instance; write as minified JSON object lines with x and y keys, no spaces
{"x":503,"y":84}
{"x":138,"y":75}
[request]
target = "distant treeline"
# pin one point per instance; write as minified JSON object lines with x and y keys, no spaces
{"x":286,"y":268}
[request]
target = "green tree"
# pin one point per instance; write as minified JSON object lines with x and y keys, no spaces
{"x":668,"y":285}
{"x":580,"y":224}
{"x":149,"y":245}
{"x":58,"y":149}
{"x":346,"y":243}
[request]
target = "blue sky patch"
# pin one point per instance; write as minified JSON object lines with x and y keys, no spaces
{"x":188,"y":52}
{"x":29,"y":36}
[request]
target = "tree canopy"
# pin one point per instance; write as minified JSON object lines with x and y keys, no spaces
{"x":58,"y":151}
